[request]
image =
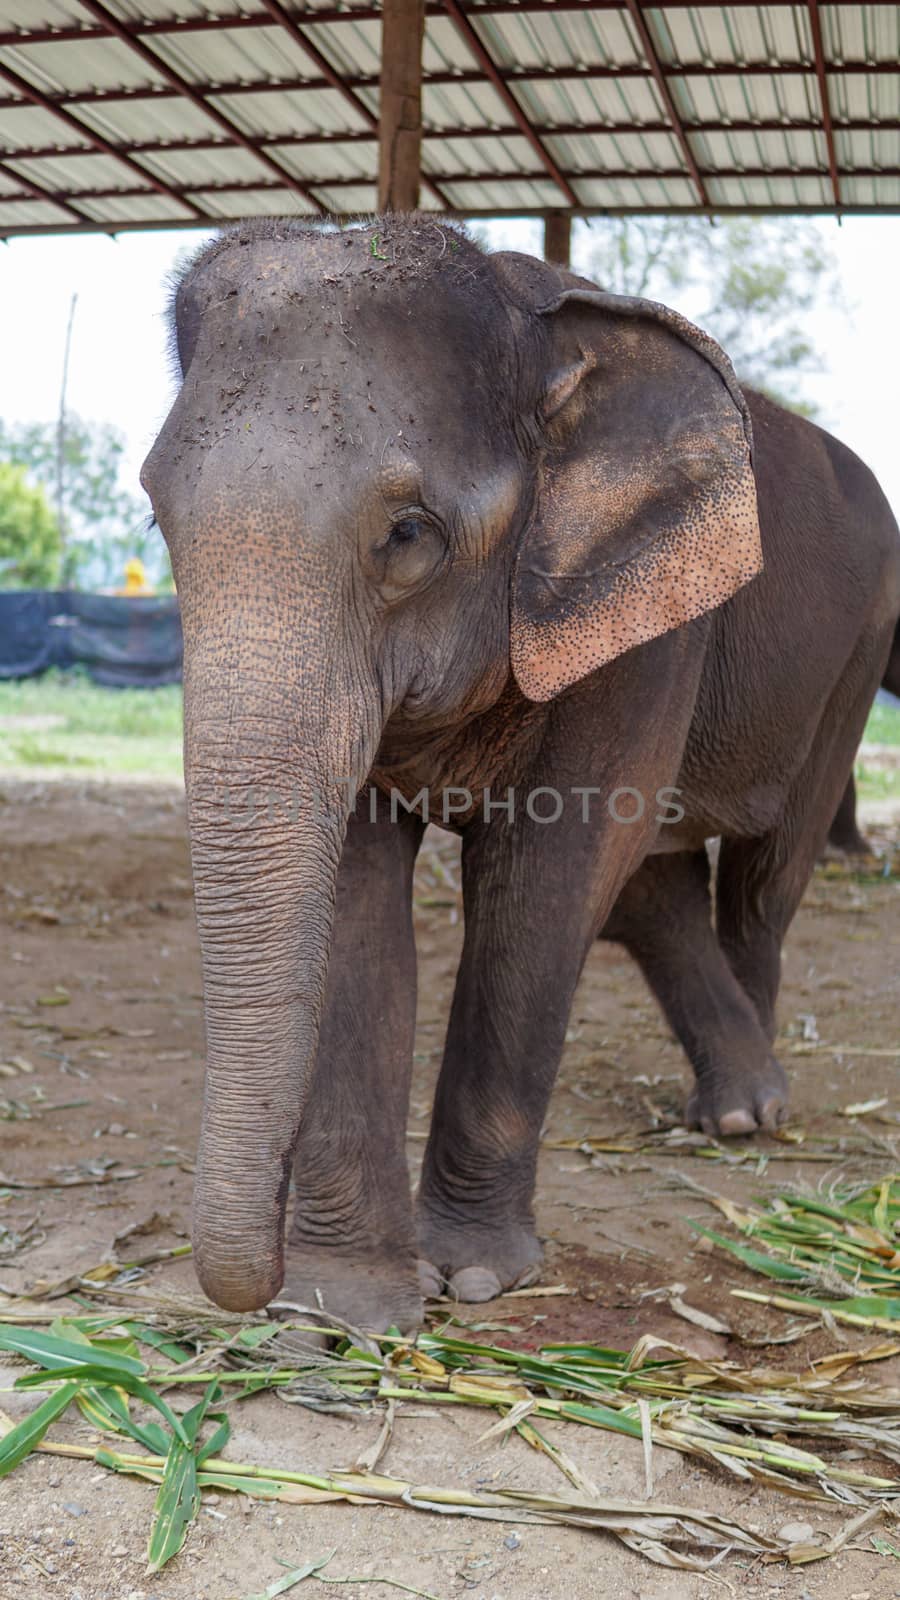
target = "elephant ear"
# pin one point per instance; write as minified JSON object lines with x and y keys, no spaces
{"x":646,"y":505}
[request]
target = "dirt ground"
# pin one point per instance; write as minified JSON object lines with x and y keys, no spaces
{"x":101,"y":1033}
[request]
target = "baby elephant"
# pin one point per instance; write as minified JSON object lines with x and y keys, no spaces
{"x":460,"y":536}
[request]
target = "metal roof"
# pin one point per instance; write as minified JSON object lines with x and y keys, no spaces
{"x":121,"y":114}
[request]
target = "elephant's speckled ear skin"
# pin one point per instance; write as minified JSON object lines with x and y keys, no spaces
{"x":646,"y":514}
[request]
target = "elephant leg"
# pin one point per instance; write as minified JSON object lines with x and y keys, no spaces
{"x":351,"y":1245}
{"x":663,"y":917}
{"x":760,"y":882}
{"x":534,"y":897}
{"x":844,"y":832}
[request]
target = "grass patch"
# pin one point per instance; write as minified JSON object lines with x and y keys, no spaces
{"x":877,"y":783}
{"x":883,"y":726}
{"x":64,"y":720}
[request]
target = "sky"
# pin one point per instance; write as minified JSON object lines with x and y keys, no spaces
{"x":119,"y":370}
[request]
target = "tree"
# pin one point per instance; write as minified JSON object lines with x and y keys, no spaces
{"x":750,"y":281}
{"x":104,"y":523}
{"x":30,"y":543}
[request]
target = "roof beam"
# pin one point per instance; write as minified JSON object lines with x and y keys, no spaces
{"x":656,"y":67}
{"x":400,"y":105}
{"x":558,"y":130}
{"x":890,"y":209}
{"x":490,"y":71}
{"x":182,"y":87}
{"x":276,"y":13}
{"x":28,"y":91}
{"x":146,"y":27}
{"x":590,"y":174}
{"x":815,"y":28}
{"x":512,"y":75}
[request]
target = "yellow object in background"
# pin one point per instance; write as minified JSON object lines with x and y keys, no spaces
{"x":136,"y":578}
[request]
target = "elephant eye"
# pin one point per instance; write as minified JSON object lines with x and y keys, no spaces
{"x":407,"y":530}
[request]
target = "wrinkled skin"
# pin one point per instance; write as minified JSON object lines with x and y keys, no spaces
{"x":449,"y":521}
{"x":844,"y":834}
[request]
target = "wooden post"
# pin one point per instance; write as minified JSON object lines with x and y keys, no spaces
{"x":558,"y":237}
{"x":400,"y":119}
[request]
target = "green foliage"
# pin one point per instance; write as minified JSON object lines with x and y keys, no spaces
{"x":104,"y":523}
{"x":749,"y":281}
{"x":30,"y":544}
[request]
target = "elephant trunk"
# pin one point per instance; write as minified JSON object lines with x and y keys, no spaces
{"x":264,"y":757}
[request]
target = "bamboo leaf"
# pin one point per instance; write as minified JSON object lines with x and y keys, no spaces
{"x":753,"y":1258}
{"x":27,"y":1434}
{"x":177,"y":1504}
{"x":291,"y":1579}
{"x":68,"y":1355}
{"x":178,"y":1500}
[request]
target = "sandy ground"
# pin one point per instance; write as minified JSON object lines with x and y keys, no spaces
{"x":96,"y":913}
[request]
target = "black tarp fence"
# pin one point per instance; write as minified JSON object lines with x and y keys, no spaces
{"x":121,"y":641}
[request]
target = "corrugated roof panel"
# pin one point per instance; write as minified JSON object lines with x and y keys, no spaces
{"x":620,"y":151}
{"x":718,"y":35}
{"x":868,"y":149}
{"x":152,"y":207}
{"x":628,"y":193}
{"x":520,"y":194}
{"x":196,"y":167}
{"x":449,"y":105}
{"x":871,"y":191}
{"x":481,"y":155}
{"x":25,"y":126}
{"x":288,"y":111}
{"x":317,"y":163}
{"x":765,"y":150}
{"x":861,"y":32}
{"x":794,"y":98}
{"x":71,"y":173}
{"x":137,"y":120}
{"x":564,"y":42}
{"x":582,"y":100}
{"x":756,"y":194}
{"x":92,"y":64}
{"x":858,"y":95}
{"x":360,"y":199}
{"x":564,"y":39}
{"x":158,"y":10}
{"x":230,"y":55}
{"x":255,"y":203}
{"x":41,"y":14}
{"x":31,"y":214}
{"x":352,"y":47}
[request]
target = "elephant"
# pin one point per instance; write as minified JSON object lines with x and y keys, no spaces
{"x":844,"y":834}
{"x":460,"y":537}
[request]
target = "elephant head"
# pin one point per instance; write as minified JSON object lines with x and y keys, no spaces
{"x":397,"y":471}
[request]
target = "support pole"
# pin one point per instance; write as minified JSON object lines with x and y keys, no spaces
{"x":400,"y":119}
{"x":558,"y":237}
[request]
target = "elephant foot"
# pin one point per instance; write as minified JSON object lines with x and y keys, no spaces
{"x":473,"y":1263}
{"x":732,"y":1101}
{"x":367,"y":1292}
{"x":842,"y":845}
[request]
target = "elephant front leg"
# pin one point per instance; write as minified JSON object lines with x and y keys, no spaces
{"x":534,"y":897}
{"x":351,"y":1245}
